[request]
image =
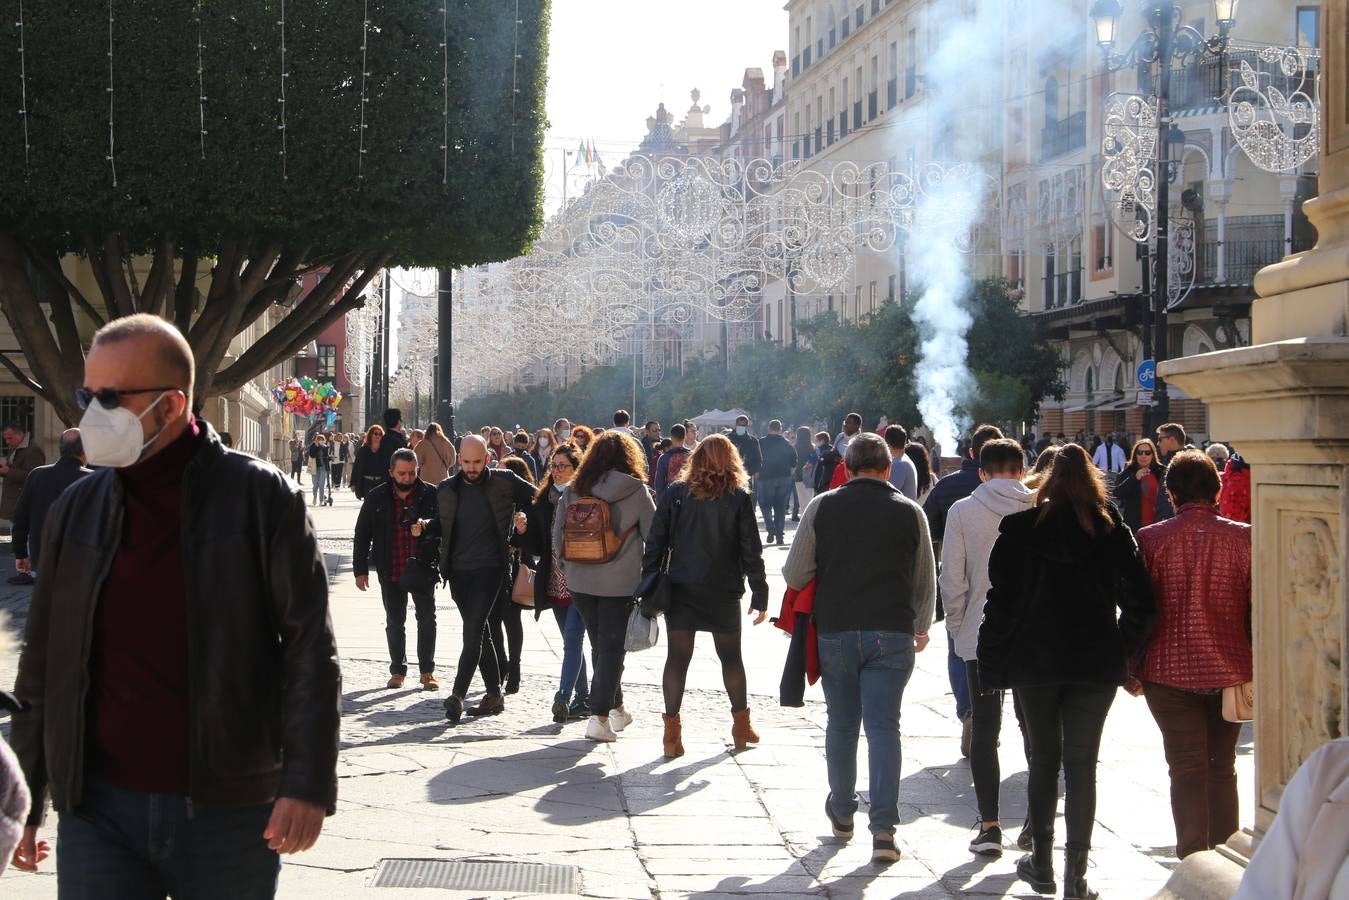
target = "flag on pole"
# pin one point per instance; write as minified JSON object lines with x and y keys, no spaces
{"x":584,"y":154}
{"x":594,"y":153}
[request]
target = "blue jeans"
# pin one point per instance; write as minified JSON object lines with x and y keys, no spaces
{"x":774,"y":495}
{"x":320,"y":485}
{"x":573,"y":652}
{"x":122,"y":844}
{"x":960,"y":682}
{"x":864,"y":674}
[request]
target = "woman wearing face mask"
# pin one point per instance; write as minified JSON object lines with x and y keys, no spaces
{"x":544,"y":445}
{"x":562,"y":430}
{"x":572,"y":700}
{"x":320,"y":463}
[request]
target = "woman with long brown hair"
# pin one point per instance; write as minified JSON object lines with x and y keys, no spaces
{"x":1044,"y":464}
{"x":1058,"y":573}
{"x":364,"y":474}
{"x":551,"y":590}
{"x":612,"y":470}
{"x":1141,"y":488}
{"x":705,"y":525}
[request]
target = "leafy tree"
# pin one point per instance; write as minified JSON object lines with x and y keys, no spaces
{"x":133,"y":181}
{"x":1015,"y":370}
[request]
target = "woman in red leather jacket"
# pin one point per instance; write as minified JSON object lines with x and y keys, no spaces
{"x":1200,"y":566}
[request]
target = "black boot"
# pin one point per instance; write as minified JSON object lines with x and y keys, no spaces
{"x":1075,"y":876}
{"x":513,"y":677}
{"x":1037,"y":867}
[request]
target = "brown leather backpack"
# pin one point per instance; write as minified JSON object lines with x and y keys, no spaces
{"x":588,"y":534}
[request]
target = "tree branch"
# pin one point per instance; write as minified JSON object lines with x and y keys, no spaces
{"x":94,"y":253}
{"x":24,"y":314}
{"x":213,"y":308}
{"x":248,"y":285}
{"x":112,"y":266}
{"x":305,"y":322}
{"x":21,"y":377}
{"x":185,"y":297}
{"x":136,"y":294}
{"x":160,"y":277}
{"x":55,"y":273}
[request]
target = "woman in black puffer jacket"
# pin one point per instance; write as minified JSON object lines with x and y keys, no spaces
{"x":1069,"y":604}
{"x":705,"y":522}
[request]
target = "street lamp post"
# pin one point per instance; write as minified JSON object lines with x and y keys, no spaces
{"x":445,"y":350}
{"x":1165,"y":41}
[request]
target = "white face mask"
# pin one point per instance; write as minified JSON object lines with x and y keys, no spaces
{"x":564,"y":433}
{"x":113,"y":437}
{"x":740,"y":429}
{"x":543,"y":442}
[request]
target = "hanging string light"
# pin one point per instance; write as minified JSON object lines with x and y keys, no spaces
{"x":112,"y":146}
{"x":445,"y":89}
{"x":365,"y":45}
{"x":515,"y":68}
{"x":285,"y":172}
{"x":23,"y":91}
{"x":201,"y":86}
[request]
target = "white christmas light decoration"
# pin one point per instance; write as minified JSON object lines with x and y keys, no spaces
{"x":285,"y":74}
{"x":1275,"y":109}
{"x":365,"y":45}
{"x":201,"y":85}
{"x":112,"y":150}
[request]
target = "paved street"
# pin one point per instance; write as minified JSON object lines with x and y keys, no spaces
{"x":519,"y":788}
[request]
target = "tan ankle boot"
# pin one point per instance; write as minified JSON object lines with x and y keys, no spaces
{"x":742,"y":732}
{"x":673,"y":740}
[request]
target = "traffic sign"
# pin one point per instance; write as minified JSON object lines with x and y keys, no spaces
{"x":1145,"y":398}
{"x":1147,"y":374}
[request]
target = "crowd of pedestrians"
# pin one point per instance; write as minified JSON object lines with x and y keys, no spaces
{"x":1063,"y":572}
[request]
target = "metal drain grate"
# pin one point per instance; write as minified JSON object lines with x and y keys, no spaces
{"x":477,"y":875}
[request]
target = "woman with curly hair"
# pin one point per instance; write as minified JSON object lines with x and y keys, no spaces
{"x":582,"y":436}
{"x":706,"y":526}
{"x":612,"y":470}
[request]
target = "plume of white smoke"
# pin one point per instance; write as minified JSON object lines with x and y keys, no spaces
{"x":964,"y":96}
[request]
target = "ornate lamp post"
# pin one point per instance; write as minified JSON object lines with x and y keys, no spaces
{"x":1165,"y":41}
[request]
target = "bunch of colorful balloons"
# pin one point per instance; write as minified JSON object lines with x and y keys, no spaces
{"x":308,"y":398}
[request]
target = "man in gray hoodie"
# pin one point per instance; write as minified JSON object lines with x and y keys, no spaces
{"x":971,"y":530}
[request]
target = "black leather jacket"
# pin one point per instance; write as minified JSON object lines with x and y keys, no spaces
{"x":716,"y":544}
{"x":374,"y":531}
{"x":266,"y":692}
{"x":506,"y":493}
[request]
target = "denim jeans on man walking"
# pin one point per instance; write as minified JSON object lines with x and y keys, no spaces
{"x":774,"y":495}
{"x":864,"y":674}
{"x":395,"y":628}
{"x":573,"y":630}
{"x":121,"y":844}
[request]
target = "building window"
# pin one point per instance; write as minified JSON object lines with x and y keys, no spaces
{"x":326,"y":369}
{"x":890,"y":290}
{"x":1309,"y":26}
{"x":1051,"y":100}
{"x":1051,"y":283}
{"x":22,"y":410}
{"x":1101,"y":249}
{"x":857,"y":303}
{"x":859,"y":16}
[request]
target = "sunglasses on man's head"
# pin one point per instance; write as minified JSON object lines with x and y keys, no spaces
{"x":111,"y":398}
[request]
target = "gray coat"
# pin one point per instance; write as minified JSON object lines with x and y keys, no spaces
{"x":630,"y":503}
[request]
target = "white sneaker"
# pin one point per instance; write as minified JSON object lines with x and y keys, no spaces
{"x":600,"y":731}
{"x":618,"y":720}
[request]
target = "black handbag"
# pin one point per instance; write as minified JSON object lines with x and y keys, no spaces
{"x":655,"y":590}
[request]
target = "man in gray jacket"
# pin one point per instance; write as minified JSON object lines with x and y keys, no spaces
{"x":866,"y":547}
{"x":971,"y":530}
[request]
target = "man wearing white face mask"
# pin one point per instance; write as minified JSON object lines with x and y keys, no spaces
{"x":180,"y":660}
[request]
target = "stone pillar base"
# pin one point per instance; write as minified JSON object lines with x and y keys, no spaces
{"x":1211,"y":875}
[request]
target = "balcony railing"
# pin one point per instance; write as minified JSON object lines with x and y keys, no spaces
{"x":871,"y":106}
{"x":1250,"y":243}
{"x":892,"y":93}
{"x":1063,"y":136}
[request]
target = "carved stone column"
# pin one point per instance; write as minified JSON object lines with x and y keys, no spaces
{"x":1284,"y":403}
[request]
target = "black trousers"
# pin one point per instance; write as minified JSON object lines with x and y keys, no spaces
{"x":606,"y":621}
{"x":505,"y":618}
{"x":395,"y":632}
{"x":987,"y":730}
{"x":1065,"y":722}
{"x":474,"y":592}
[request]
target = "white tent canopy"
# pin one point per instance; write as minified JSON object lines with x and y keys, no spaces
{"x":717,"y":418}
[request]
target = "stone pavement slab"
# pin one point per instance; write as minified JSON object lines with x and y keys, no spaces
{"x":711,"y":824}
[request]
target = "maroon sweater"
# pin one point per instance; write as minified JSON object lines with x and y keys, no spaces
{"x":139,"y":690}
